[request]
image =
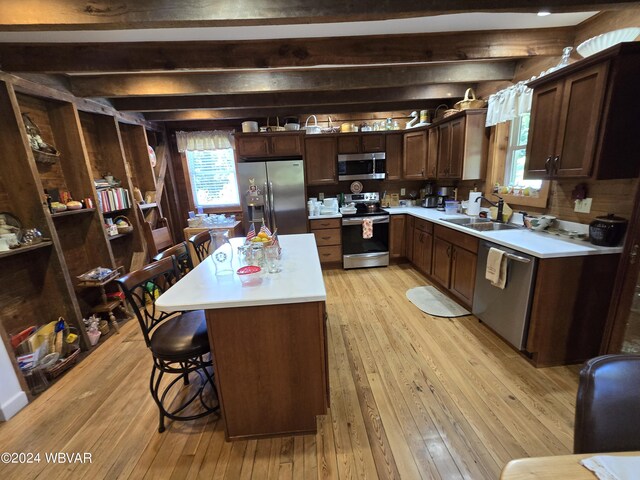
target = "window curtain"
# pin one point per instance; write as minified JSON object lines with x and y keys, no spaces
{"x":206,"y":140}
{"x":509,"y":103}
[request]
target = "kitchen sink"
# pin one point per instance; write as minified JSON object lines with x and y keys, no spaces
{"x":480,"y":224}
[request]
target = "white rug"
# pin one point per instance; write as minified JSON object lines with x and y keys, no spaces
{"x":431,"y":301}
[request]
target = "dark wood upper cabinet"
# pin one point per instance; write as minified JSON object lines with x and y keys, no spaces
{"x":432,"y":153}
{"x":394,"y":156}
{"x":269,"y":145}
{"x":361,"y":143}
{"x":415,"y":155}
{"x":462,"y":146}
{"x":321,"y":160}
{"x":581,"y":117}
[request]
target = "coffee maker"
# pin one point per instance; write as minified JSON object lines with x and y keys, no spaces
{"x":428,"y":199}
{"x":444,"y":194}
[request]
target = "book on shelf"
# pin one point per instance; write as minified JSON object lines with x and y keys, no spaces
{"x":112,"y":199}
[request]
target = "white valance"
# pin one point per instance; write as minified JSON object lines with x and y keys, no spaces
{"x":205,"y":140}
{"x":515,"y":100}
{"x":509,"y":103}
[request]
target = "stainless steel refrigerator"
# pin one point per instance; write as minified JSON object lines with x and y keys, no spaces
{"x":273,"y":191}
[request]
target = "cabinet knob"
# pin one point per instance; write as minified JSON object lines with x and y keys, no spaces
{"x":555,"y":163}
{"x":547,"y":164}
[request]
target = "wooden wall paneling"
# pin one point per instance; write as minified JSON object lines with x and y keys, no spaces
{"x":41,"y":281}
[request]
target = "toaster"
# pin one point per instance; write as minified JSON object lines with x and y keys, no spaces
{"x":430,"y":202}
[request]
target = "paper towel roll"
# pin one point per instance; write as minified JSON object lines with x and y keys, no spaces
{"x":473,"y":208}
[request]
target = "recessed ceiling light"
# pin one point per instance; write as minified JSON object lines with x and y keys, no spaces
{"x":544,"y":13}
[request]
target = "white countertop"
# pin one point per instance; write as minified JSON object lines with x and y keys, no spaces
{"x":538,"y":244}
{"x":299,"y":281}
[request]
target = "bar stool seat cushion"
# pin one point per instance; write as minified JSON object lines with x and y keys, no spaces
{"x":181,"y":337}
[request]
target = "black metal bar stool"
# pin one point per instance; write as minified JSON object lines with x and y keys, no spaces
{"x":178,"y":341}
{"x":201,"y":242}
{"x":182,"y":256}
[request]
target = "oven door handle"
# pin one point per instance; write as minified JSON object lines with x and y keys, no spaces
{"x":358,"y":220}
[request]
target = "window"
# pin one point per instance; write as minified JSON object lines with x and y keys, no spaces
{"x":213,"y":178}
{"x":517,"y":154}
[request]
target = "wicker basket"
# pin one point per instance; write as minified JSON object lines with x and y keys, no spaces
{"x":64,"y":365}
{"x":128,"y":228}
{"x":470,"y":101}
{"x":44,"y":157}
{"x":444,"y":113}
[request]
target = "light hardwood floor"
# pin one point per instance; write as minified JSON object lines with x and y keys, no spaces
{"x":412,"y":396}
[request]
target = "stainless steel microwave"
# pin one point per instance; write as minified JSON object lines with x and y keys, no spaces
{"x":362,"y":166}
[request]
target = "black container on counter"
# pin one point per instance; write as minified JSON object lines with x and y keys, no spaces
{"x":607,"y":231}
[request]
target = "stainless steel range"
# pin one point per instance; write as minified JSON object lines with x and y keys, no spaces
{"x":360,"y":252}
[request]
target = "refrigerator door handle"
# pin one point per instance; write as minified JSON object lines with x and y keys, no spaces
{"x":266,"y":214}
{"x":272,"y":207}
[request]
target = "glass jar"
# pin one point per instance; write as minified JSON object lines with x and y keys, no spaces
{"x":222,"y":255}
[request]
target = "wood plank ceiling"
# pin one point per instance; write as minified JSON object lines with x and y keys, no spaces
{"x":236,"y":79}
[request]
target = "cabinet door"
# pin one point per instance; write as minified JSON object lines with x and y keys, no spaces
{"x":408,"y":237}
{"x":580,"y":121}
{"x":349,"y":144}
{"x":444,"y":150}
{"x":457,"y":148}
{"x":463,"y":274}
{"x":320,"y":160}
{"x":543,"y":130}
{"x":441,"y":264}
{"x":286,"y":145}
{"x":373,"y":143}
{"x":396,"y":236}
{"x":427,"y":248}
{"x":415,"y":154}
{"x":253,"y":145}
{"x":432,"y":153}
{"x":394,"y":156}
{"x":418,"y":250}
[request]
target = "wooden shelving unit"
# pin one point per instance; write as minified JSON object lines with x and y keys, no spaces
{"x":40,"y":281}
{"x":120,"y":235}
{"x":73,"y":212}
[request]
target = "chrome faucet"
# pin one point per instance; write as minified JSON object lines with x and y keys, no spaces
{"x":499,"y":204}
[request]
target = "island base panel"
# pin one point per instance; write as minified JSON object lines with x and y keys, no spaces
{"x":270,"y":365}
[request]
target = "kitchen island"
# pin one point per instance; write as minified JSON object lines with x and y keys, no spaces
{"x":268,"y":341}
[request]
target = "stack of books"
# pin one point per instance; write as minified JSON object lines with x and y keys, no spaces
{"x":112,"y":199}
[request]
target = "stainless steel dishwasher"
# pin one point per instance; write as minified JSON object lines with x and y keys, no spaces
{"x":506,"y":311}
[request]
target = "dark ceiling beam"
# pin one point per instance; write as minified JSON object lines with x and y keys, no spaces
{"x":256,"y":113}
{"x":129,"y":14}
{"x":288,"y":80}
{"x":357,"y":50}
{"x":293,"y":99}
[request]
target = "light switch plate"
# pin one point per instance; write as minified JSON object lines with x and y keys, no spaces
{"x":321,"y":196}
{"x":583,"y":206}
{"x":402,"y":192}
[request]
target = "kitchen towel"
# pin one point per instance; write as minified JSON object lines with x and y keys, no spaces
{"x":612,"y":467}
{"x":367,"y":228}
{"x":496,"y":271}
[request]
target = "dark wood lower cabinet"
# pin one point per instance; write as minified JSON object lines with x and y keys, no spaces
{"x":441,"y":267}
{"x":422,"y":251}
{"x":397,"y":241}
{"x":408,"y":237}
{"x":463,"y":274}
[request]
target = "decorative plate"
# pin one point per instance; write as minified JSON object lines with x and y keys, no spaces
{"x":356,"y":187}
{"x":606,"y":40}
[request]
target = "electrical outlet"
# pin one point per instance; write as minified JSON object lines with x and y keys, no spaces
{"x":321,"y":196}
{"x":583,"y":206}
{"x":402,"y":192}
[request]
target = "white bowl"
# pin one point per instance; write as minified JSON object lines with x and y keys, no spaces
{"x":249,"y":127}
{"x":606,"y":40}
{"x":292,"y":126}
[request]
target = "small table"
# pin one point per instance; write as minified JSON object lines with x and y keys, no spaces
{"x":107,"y":306}
{"x":565,"y":467}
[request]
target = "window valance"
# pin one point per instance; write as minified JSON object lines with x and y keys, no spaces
{"x":204,"y":140}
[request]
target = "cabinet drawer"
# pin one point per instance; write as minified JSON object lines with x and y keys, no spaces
{"x":457,"y":238}
{"x":330,"y":254}
{"x":423,"y":225}
{"x":322,"y":224}
{"x":328,"y":236}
